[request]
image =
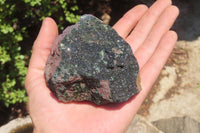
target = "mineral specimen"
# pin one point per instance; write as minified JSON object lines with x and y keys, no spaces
{"x":91,"y":62}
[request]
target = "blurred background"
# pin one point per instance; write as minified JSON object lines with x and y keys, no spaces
{"x":20,"y":22}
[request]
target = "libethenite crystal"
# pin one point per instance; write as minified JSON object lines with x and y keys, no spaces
{"x":89,"y":61}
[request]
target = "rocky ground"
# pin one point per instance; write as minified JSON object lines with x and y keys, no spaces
{"x":173,"y":103}
{"x":178,"y":88}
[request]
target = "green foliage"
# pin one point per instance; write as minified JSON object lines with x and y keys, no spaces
{"x":16,"y":20}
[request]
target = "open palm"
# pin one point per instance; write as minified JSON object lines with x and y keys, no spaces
{"x":147,"y":32}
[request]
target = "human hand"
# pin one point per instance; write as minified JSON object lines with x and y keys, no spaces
{"x":147,"y":32}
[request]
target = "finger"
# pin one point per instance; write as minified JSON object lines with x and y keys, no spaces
{"x":142,"y":29}
{"x":129,"y":20}
{"x":43,"y":43}
{"x":41,"y":49}
{"x":163,"y":24}
{"x":150,"y":71}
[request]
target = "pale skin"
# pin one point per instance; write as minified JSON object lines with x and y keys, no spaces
{"x":147,"y":30}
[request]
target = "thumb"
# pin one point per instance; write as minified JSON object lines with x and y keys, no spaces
{"x":41,"y":50}
{"x":43,"y":43}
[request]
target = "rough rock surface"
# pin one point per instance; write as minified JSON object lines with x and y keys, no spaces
{"x":178,"y":125}
{"x":19,"y":125}
{"x":140,"y":125}
{"x":91,"y":62}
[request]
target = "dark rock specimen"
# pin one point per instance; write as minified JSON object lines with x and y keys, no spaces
{"x":91,"y":62}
